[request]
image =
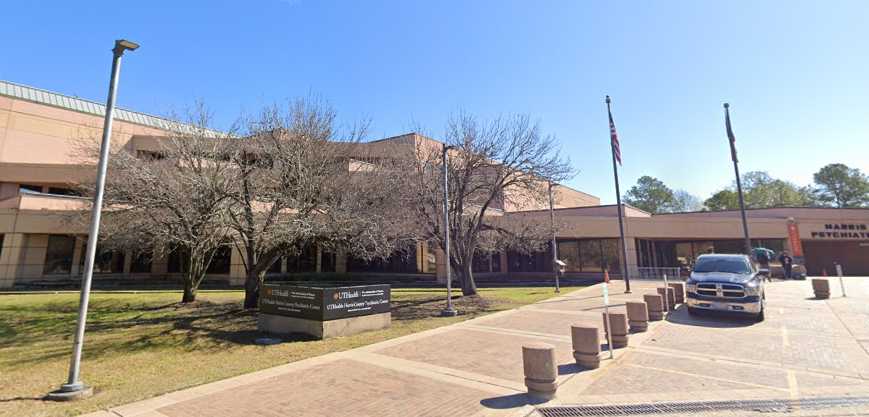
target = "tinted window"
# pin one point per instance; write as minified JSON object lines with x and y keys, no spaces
{"x":58,"y":255}
{"x":730,"y":265}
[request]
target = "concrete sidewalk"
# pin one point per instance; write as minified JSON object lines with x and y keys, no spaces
{"x":472,"y":368}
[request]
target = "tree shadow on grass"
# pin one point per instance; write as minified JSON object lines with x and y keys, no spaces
{"x":428,"y":307}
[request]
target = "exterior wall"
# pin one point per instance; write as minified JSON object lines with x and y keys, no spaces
{"x":56,"y":133}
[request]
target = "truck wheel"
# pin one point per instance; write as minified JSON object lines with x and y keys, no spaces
{"x":760,"y":316}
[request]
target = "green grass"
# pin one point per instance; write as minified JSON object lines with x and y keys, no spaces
{"x":141,"y":345}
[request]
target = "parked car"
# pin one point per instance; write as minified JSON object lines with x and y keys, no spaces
{"x":729,"y":283}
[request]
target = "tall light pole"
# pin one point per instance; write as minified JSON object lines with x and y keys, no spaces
{"x":554,"y":242}
{"x":74,"y":387}
{"x":449,"y":311}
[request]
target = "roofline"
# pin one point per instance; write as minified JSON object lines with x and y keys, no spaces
{"x":582,"y":207}
{"x":762,"y":208}
{"x":67,"y":102}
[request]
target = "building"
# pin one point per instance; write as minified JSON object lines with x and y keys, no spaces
{"x":39,"y":167}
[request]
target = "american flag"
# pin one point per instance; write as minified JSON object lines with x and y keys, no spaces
{"x":614,"y":137}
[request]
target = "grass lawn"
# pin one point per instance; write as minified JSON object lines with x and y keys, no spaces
{"x":141,"y":345}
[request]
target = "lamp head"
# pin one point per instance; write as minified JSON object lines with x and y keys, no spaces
{"x":122,"y":45}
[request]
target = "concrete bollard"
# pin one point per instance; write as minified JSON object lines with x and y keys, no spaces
{"x":619,"y":327}
{"x":586,"y":346}
{"x":638,"y":316}
{"x":821,"y":288}
{"x":670,"y":305}
{"x":655,"y":304}
{"x":538,"y":360}
{"x":679,"y":289}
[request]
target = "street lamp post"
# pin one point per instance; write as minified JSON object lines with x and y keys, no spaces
{"x":555,"y":266}
{"x":74,"y":387}
{"x":449,"y":311}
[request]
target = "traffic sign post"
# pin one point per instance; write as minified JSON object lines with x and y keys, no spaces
{"x":606,"y":312}
{"x":666,"y":294}
{"x":841,"y":281}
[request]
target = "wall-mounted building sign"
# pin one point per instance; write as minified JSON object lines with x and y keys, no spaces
{"x":843,"y":231}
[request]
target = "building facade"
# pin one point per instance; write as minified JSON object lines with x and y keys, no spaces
{"x":40,"y":164}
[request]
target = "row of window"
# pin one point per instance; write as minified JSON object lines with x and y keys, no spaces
{"x":580,"y":255}
{"x":586,"y":255}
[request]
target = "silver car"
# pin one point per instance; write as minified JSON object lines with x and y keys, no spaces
{"x":726,"y":283}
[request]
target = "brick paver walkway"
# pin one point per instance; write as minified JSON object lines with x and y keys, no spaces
{"x":805,"y":348}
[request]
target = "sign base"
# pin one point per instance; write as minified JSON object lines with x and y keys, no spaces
{"x":276,"y":324}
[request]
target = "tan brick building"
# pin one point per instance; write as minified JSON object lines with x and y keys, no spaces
{"x":39,"y":131}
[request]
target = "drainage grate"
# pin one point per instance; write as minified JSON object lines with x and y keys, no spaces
{"x":701,"y":406}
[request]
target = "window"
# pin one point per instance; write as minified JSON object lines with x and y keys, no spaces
{"x":178,"y":260}
{"x":480,"y":262}
{"x":328,"y":260}
{"x":63,"y":191}
{"x":303,"y":261}
{"x":496,"y":262}
{"x":221,"y":261}
{"x":105,"y":262}
{"x":276,"y":266}
{"x":610,"y":251}
{"x":568,"y":251}
{"x":401,"y":262}
{"x":590,"y":257}
{"x":141,"y":263}
{"x":58,"y":255}
{"x":30,"y":187}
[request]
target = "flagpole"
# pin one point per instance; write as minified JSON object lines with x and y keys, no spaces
{"x":619,"y":206}
{"x":732,"y":139}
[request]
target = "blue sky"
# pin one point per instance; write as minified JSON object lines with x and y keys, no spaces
{"x":795,"y":72}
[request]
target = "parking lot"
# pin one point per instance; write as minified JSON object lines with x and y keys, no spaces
{"x":805,"y":349}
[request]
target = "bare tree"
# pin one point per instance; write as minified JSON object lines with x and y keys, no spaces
{"x":298,"y":182}
{"x":172,"y":196}
{"x":494,"y":167}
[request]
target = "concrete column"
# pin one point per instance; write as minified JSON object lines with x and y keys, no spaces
{"x":440,"y":270}
{"x":10,"y":257}
{"x":159,"y":263}
{"x":503,"y":259}
{"x":341,"y":261}
{"x":538,"y":361}
{"x":632,"y":263}
{"x":618,"y":325}
{"x":78,"y":252}
{"x":586,"y":346}
{"x":128,"y":262}
{"x":31,"y":263}
{"x":283,"y":262}
{"x":638,"y":316}
{"x":236,"y":266}
{"x":318,"y":268}
{"x":655,"y":305}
